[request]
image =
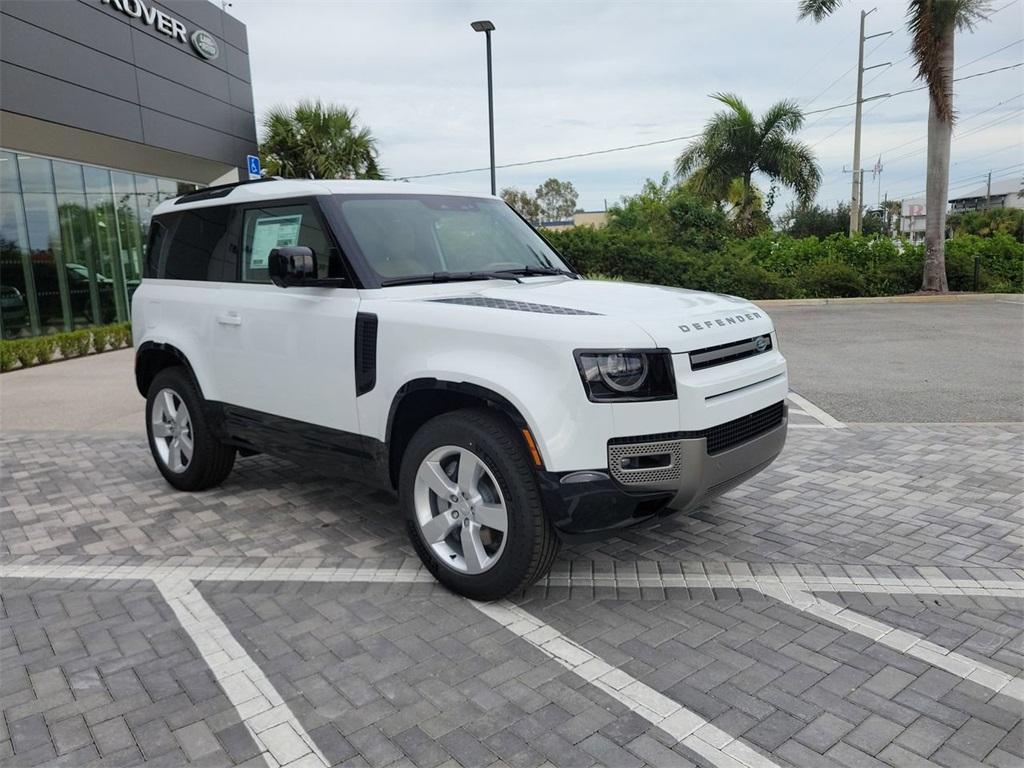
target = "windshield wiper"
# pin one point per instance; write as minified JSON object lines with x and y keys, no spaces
{"x":529,"y":271}
{"x":451,"y":277}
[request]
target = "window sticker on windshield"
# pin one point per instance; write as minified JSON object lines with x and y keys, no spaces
{"x":272,"y":232}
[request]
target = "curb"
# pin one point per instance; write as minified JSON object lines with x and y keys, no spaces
{"x":911,"y":299}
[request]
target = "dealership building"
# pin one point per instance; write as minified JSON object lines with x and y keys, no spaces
{"x":107,"y":107}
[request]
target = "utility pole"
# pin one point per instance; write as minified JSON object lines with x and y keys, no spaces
{"x":988,"y":189}
{"x":858,"y":177}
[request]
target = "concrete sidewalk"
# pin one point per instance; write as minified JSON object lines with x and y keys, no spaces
{"x":88,"y":394}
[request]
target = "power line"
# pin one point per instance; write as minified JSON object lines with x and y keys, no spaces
{"x":847,"y":125}
{"x":958,"y":162}
{"x":674,"y":139}
{"x":554,"y":159}
{"x":913,"y":90}
{"x":967,"y":181}
{"x":964,"y":120}
{"x":829,"y":87}
{"x":810,"y":70}
{"x":987,"y":55}
{"x":973,"y":131}
{"x":1018,"y":145}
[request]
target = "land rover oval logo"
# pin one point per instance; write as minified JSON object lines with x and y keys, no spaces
{"x":205,"y":44}
{"x":761,"y":343}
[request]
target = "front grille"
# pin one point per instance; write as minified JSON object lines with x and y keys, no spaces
{"x":728,"y":353}
{"x":737,"y":431}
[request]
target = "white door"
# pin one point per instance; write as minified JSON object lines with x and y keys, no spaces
{"x":287,"y":352}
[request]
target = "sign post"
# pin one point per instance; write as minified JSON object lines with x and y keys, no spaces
{"x":254,"y":166}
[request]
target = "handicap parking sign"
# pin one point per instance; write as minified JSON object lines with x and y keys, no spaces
{"x":254,"y":166}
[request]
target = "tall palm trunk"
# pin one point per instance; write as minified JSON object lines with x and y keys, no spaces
{"x":940,"y":134}
{"x":747,"y":204}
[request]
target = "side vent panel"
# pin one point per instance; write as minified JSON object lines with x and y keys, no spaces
{"x":366,"y":352}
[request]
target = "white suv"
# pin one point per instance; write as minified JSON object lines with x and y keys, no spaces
{"x":433,"y":343}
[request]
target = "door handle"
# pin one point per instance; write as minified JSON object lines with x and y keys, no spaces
{"x":229,"y":318}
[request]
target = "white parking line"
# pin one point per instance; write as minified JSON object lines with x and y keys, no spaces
{"x":685,"y":726}
{"x":814,"y":411}
{"x":908,"y":643}
{"x":262,"y":710}
{"x":268,"y":718}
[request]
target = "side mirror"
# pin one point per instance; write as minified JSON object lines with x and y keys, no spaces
{"x":292,"y":265}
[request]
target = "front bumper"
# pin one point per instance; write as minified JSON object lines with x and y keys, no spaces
{"x":670,"y":473}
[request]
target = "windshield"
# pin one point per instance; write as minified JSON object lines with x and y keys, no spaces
{"x":413,"y":235}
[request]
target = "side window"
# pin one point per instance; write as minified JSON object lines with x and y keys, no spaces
{"x":269,"y":227}
{"x":157,"y":240}
{"x":198,"y":248}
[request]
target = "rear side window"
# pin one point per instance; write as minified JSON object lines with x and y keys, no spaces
{"x":198,"y":247}
{"x":278,"y":226}
{"x":157,"y":241}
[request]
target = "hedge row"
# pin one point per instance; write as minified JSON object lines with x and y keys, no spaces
{"x":42,"y":349}
{"x":777,"y":266}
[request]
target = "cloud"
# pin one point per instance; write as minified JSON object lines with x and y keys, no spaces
{"x":571,"y":77}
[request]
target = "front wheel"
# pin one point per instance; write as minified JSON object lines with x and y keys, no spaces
{"x":185,"y":450}
{"x":472,"y":506}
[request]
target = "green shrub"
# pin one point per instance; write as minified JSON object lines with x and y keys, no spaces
{"x":41,"y":349}
{"x":829,"y":279}
{"x":7,"y":357}
{"x":101,"y":338}
{"x":73,"y":343}
{"x":24,"y":351}
{"x":121,"y":335}
{"x":83,"y":341}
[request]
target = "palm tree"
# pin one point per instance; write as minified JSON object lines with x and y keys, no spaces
{"x":317,"y":141}
{"x":736,"y":145}
{"x":932,"y":24}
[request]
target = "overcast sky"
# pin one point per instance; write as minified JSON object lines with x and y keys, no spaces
{"x":573,"y":77}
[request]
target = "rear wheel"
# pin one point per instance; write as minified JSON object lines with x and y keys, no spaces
{"x":187,"y":454}
{"x":472,"y":506}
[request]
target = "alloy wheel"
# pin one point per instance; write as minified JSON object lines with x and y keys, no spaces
{"x":172,"y":430}
{"x":460,"y":509}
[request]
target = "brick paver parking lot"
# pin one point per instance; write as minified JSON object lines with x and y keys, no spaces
{"x":859,"y":603}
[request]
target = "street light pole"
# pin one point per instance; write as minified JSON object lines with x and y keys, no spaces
{"x":487,"y":27}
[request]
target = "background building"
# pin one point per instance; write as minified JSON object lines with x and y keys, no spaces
{"x":912,"y":219}
{"x":593,"y":219}
{"x":107,"y":107}
{"x":1001,"y":194}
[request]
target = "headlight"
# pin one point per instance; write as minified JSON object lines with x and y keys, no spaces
{"x":626,"y":375}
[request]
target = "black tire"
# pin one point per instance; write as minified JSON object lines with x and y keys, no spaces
{"x":211,"y":461}
{"x":531,"y":542}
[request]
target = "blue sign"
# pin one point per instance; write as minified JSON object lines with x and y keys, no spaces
{"x":254,"y":166}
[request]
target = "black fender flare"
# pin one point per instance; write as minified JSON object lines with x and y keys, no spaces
{"x":149,"y":347}
{"x":489,"y":396}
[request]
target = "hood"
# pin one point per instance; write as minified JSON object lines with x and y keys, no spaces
{"x":676,"y":318}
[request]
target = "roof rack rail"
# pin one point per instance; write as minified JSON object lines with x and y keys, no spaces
{"x":220,"y":190}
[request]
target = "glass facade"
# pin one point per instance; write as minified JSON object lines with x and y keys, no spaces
{"x":71,"y":242}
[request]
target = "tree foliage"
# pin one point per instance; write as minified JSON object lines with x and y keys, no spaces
{"x":819,"y":221}
{"x":525,"y":203}
{"x":313,"y":140}
{"x":1009,"y":221}
{"x":557,"y":199}
{"x":553,"y":200}
{"x":735,"y":145}
{"x":672,"y":213}
{"x":932,"y":25}
{"x":665,"y":235}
